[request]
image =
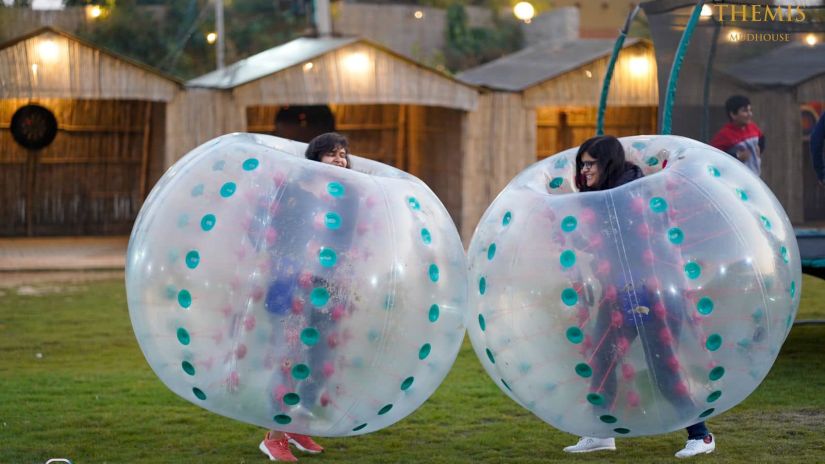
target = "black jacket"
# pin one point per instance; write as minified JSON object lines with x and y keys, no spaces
{"x":631,"y":173}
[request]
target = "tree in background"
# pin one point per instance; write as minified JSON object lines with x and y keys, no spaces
{"x":471,"y":46}
{"x":172,"y":35}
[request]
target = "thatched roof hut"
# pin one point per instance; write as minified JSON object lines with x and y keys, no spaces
{"x":544,"y":99}
{"x":82,"y":135}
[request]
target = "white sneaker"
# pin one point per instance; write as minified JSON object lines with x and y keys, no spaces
{"x":588,"y":444}
{"x":693,"y":447}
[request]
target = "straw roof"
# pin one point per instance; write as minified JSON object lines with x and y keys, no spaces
{"x":336,"y":70}
{"x":50,"y":63}
{"x":539,"y":63}
{"x":268,"y":62}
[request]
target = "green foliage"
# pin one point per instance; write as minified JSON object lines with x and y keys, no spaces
{"x":467,"y":47}
{"x":172,"y":35}
{"x":74,"y":384}
{"x":126,"y":29}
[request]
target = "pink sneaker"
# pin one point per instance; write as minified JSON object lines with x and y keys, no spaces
{"x":304,"y":443}
{"x":277,"y":450}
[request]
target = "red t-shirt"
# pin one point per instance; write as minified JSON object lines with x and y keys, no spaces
{"x":731,"y":138}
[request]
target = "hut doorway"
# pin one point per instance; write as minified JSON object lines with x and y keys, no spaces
{"x":422,"y":140}
{"x":92,"y":179}
{"x":560,"y":128}
{"x":303,"y":123}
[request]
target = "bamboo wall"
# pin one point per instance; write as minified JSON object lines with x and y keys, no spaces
{"x":357,"y":74}
{"x":583,"y":85}
{"x":92,"y":179}
{"x":50,"y":65}
{"x":498,"y":142}
{"x":563,"y":127}
{"x":199,"y":115}
{"x":421,"y":140}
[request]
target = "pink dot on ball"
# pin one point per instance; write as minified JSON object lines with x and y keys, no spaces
{"x":332,"y":340}
{"x":249,"y":322}
{"x":648,"y":257}
{"x":633,"y":399}
{"x":240,"y":351}
{"x":279,"y":392}
{"x":270,"y":235}
{"x":611,"y":293}
{"x":596,"y":241}
{"x":338,"y":312}
{"x":622,"y":344}
{"x":257,"y":293}
{"x":603,"y":268}
{"x":278,"y":179}
{"x":305,"y":279}
{"x":659,"y":310}
{"x":681,"y":388}
{"x":297,"y":306}
{"x":628,"y":371}
{"x":638,"y":205}
{"x":371,"y":201}
{"x":234,"y":380}
{"x":587,"y":216}
{"x":328,"y":369}
{"x":226,"y":311}
{"x":673,"y":363}
{"x":324,"y":399}
{"x":643,"y":230}
{"x":362,"y":228}
{"x":665,"y":336}
{"x":319,"y":221}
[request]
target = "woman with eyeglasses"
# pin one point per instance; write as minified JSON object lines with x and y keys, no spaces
{"x":626,"y":309}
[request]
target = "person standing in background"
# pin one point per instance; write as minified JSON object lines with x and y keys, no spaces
{"x":741,"y":137}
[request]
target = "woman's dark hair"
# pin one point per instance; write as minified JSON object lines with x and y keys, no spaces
{"x":327,"y":143}
{"x":609,"y":155}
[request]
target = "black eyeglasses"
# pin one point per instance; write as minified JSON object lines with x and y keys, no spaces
{"x":588,"y":164}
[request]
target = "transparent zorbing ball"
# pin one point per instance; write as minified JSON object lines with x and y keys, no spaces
{"x":292,"y":294}
{"x":638,"y":310}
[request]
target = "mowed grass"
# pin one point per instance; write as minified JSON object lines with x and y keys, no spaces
{"x":74,"y":384}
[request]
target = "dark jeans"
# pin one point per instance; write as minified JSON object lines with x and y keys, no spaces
{"x":615,"y":332}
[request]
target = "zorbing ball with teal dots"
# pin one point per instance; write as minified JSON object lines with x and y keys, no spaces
{"x":637,"y":310}
{"x":293,"y":294}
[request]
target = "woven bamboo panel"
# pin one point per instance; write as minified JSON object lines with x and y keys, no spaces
{"x":52,"y":65}
{"x":91,"y":180}
{"x":634,"y":82}
{"x":357,"y":74}
{"x":498,"y":141}
{"x":560,"y":128}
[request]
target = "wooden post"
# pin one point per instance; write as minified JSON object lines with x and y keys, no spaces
{"x":31,"y":184}
{"x":401,"y":161}
{"x":144,"y":155}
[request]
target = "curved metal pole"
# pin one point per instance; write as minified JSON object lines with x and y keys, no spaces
{"x":608,"y":76}
{"x":673,"y":79}
{"x":706,"y":90}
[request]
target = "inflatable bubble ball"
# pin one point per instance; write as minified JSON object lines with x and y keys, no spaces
{"x":293,"y":294}
{"x":637,"y":310}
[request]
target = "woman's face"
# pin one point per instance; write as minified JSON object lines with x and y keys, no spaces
{"x":338,"y":157}
{"x":590,"y":170}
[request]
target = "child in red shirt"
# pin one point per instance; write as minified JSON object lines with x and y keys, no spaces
{"x":741,"y":137}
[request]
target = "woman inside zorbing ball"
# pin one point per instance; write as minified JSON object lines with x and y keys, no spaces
{"x":632,"y":287}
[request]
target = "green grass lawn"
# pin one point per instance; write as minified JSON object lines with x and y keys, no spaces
{"x":74,"y":384}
